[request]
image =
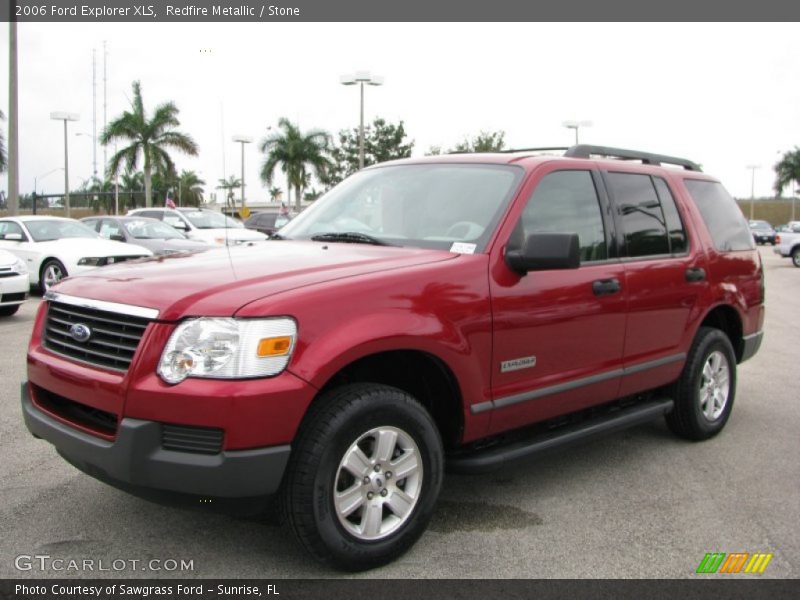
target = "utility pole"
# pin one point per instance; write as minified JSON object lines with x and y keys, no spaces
{"x":752,"y":187}
{"x":13,"y":121}
{"x":105,"y":107}
{"x":94,"y":113}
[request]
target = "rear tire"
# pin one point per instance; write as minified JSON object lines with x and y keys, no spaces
{"x":705,"y":391}
{"x":364,"y":476}
{"x":796,"y":257}
{"x":7,"y":311}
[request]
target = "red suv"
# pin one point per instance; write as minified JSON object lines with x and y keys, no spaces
{"x":458,"y":311}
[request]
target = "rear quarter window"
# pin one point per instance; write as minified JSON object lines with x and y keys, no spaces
{"x":721,"y":214}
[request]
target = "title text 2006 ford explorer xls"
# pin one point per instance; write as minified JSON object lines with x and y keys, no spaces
{"x":447,"y":310}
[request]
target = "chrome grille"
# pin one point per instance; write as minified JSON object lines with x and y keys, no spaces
{"x":113,"y":339}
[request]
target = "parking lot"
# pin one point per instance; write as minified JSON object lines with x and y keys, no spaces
{"x":641,"y":503}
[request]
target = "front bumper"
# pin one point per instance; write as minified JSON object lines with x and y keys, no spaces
{"x":12,"y":287}
{"x":136,"y":459}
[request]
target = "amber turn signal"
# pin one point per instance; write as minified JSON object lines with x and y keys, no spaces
{"x":274,"y":346}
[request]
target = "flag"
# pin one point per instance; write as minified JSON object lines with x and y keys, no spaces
{"x":168,"y":202}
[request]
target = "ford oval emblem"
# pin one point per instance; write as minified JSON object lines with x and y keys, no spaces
{"x":80,"y":332}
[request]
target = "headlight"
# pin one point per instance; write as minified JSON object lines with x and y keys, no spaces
{"x":19,"y":267}
{"x":92,"y":261}
{"x":228,"y":349}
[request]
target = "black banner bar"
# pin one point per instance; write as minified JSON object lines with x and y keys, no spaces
{"x":375,"y":586}
{"x":182,"y":11}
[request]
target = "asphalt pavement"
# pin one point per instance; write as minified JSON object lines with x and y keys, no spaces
{"x":640,"y":503}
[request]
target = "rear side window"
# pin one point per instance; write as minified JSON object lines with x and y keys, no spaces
{"x":566,"y":202}
{"x":643,"y":221}
{"x":153,"y":214}
{"x":724,"y":220}
{"x":677,"y":234}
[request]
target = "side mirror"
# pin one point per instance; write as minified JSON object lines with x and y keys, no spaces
{"x":117,"y":237}
{"x":545,"y":251}
{"x":13,"y":237}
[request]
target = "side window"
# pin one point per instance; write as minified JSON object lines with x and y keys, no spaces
{"x":643,"y":222}
{"x":174,"y":221}
{"x":721,"y":214}
{"x":153,"y":214}
{"x":7,"y":227}
{"x":109,"y":228}
{"x":567,"y":202}
{"x":92,"y":223}
{"x":677,"y":234}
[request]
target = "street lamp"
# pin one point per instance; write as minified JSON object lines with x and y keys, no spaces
{"x":242,"y":139}
{"x":752,"y":186}
{"x":360,"y":78}
{"x":576,"y":125}
{"x":36,"y":182}
{"x":65,"y":116}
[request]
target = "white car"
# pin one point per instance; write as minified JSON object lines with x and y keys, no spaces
{"x":203,"y":224}
{"x":54,"y":247}
{"x":14,"y":284}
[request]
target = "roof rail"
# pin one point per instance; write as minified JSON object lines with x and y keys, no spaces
{"x":512,"y":150}
{"x":586,"y":151}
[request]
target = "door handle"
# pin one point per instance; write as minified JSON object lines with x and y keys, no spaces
{"x":604,"y":287}
{"x":695,"y":274}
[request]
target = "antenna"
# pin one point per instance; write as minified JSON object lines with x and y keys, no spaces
{"x":105,"y":106}
{"x":94,"y":112}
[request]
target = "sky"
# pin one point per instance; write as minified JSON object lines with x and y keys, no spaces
{"x":724,"y":95}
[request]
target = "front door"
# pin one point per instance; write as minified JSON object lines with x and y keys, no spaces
{"x":558,"y":334}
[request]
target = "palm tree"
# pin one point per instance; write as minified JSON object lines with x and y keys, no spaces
{"x":148,"y":138}
{"x":3,"y":161}
{"x":230,"y":184}
{"x":275,"y":193}
{"x":191,"y":188}
{"x":294,"y":151}
{"x":132,"y":182}
{"x":787,"y":170}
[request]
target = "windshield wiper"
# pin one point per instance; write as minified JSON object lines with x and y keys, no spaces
{"x":349,"y":237}
{"x":275,"y":236}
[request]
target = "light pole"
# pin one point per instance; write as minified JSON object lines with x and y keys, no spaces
{"x":752,"y":186}
{"x":65,"y":116}
{"x":36,"y":184}
{"x":576,"y":125}
{"x":242,"y":139}
{"x":360,"y":78}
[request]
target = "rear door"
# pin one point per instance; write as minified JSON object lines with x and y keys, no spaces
{"x":665,"y":276}
{"x":558,"y":334}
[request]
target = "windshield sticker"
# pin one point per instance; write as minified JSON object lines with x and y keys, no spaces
{"x":462,"y":248}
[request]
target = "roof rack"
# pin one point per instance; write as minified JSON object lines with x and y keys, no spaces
{"x":512,"y":150}
{"x":586,"y":151}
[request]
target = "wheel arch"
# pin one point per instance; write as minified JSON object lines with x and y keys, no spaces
{"x":421,"y":374}
{"x":728,"y":320}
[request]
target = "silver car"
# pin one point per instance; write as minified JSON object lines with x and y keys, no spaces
{"x":153,"y":234}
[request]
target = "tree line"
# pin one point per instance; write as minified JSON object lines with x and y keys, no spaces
{"x":144,"y":163}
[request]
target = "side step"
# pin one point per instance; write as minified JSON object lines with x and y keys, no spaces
{"x":495,"y":457}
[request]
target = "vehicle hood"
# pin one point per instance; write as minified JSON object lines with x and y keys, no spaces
{"x":220,"y":281}
{"x":76,"y":248}
{"x":230,"y":233}
{"x":174,"y":245}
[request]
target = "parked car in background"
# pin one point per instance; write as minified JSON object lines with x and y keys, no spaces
{"x":14,"y":283}
{"x":787,"y":244}
{"x":54,"y":247}
{"x":762,"y":232}
{"x":267,"y":222}
{"x":152,"y":234}
{"x":203,"y":225}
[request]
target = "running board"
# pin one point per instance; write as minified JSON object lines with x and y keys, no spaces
{"x":495,"y":457}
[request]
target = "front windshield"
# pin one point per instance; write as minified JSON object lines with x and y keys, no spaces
{"x":427,"y":206}
{"x":49,"y":230}
{"x":143,"y":229}
{"x":206,"y":219}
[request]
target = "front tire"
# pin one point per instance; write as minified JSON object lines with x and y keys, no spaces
{"x":706,"y":389}
{"x":364,"y":476}
{"x":52,"y":272}
{"x":796,"y":257}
